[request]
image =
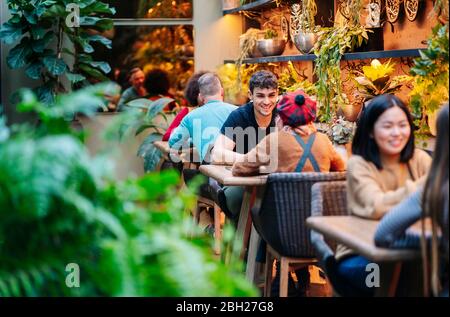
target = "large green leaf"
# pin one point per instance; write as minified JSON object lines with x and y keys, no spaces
{"x":38,"y":32}
{"x":18,"y":56}
{"x":46,"y":94}
{"x":75,"y":78}
{"x":97,"y":7}
{"x":11,"y":32}
{"x":34,"y":70}
{"x":31,"y":17}
{"x":87,"y":48}
{"x":101,"y":39}
{"x":158,"y":106}
{"x":103,"y":66}
{"x":92,"y":72}
{"x":55,"y":66}
{"x":40,"y":45}
{"x":100,"y":23}
{"x":140,"y":103}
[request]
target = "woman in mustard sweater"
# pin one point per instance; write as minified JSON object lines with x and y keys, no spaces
{"x":384,"y":169}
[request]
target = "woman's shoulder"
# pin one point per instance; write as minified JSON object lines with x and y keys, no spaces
{"x":420,"y":154}
{"x":421,"y":158}
{"x":358,"y":160}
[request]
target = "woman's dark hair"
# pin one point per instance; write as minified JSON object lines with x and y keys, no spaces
{"x":192,"y":89}
{"x":157,"y":82}
{"x":363,"y":142}
{"x":435,"y":204}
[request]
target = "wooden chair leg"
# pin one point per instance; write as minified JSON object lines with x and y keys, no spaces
{"x":268,"y":274}
{"x":197,"y":213}
{"x":284,"y":277}
{"x":217,"y":229}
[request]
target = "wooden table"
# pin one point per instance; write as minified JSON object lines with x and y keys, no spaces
{"x":187,"y":156}
{"x":358,"y":234}
{"x":245,"y":229}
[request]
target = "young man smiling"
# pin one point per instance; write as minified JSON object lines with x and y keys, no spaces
{"x":250,"y":123}
{"x":243,"y":130}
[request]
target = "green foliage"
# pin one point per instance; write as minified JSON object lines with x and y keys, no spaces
{"x":41,"y":27}
{"x":431,"y":76}
{"x":376,"y":80}
{"x":59,"y":206}
{"x":154,"y":120}
{"x":302,"y":16}
{"x":270,"y":34}
{"x":329,"y":49}
{"x":291,"y":80}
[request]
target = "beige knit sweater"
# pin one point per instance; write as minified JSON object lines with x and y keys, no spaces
{"x":372,"y":192}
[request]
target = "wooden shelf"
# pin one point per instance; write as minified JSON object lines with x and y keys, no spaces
{"x":346,"y":57}
{"x":254,"y":6}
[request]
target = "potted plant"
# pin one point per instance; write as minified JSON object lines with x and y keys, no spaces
{"x":302,"y":26}
{"x":63,"y":212}
{"x":271,"y":44}
{"x":375,"y":80}
{"x":341,"y":134}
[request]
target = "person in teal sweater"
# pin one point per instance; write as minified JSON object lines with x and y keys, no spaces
{"x":202,"y":125}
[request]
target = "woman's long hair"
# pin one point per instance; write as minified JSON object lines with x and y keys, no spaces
{"x":434,"y":201}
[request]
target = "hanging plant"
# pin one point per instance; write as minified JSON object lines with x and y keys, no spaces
{"x":329,"y":49}
{"x":331,"y":45}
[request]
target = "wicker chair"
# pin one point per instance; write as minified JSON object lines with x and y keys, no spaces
{"x":329,"y":199}
{"x":280,"y":221}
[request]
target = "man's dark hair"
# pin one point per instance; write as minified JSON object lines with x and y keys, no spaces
{"x":192,"y":89}
{"x":157,"y":82}
{"x":364,"y":143}
{"x":263,"y":79}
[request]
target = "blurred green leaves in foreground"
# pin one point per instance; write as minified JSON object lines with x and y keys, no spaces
{"x":59,"y":206}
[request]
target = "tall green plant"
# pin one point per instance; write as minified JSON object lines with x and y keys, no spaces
{"x":431,"y":76}
{"x":48,"y":41}
{"x":60,"y":206}
{"x":152,"y":120}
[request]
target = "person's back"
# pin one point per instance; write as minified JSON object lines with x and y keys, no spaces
{"x":298,"y":147}
{"x":202,"y":125}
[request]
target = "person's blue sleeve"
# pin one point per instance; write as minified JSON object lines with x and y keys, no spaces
{"x":392,"y":229}
{"x":180,"y":135}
